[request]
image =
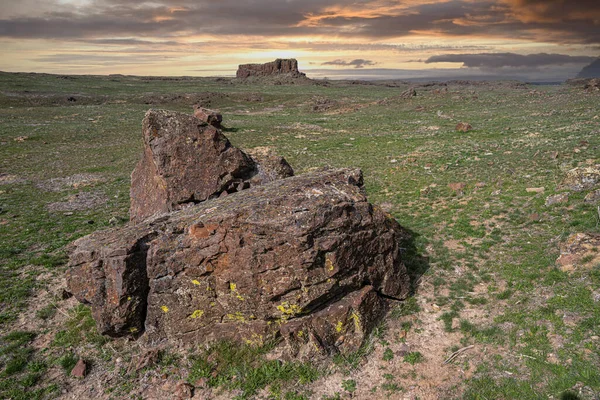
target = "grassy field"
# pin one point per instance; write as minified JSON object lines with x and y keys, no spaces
{"x":526,"y":328}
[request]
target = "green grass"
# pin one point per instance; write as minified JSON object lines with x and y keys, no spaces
{"x":482,"y":251}
{"x":241,"y":367}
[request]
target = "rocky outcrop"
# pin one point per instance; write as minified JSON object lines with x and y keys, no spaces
{"x":277,"y":67}
{"x":211,"y":117}
{"x":187,"y":161}
{"x":590,"y":71}
{"x":306,"y":258}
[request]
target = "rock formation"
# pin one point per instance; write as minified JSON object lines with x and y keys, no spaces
{"x":590,"y":71}
{"x":277,"y":67}
{"x":306,"y":258}
{"x":187,"y":161}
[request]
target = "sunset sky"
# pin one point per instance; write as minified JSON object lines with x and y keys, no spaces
{"x":527,"y":39}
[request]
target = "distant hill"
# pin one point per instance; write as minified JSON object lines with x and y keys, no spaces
{"x":591,"y":71}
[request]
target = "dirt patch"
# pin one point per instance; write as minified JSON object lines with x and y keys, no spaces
{"x":80,"y":201}
{"x":8,"y":179}
{"x":70,"y":182}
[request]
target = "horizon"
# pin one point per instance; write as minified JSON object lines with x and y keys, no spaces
{"x":528,"y":40}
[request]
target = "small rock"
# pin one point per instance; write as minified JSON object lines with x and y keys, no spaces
{"x":21,"y":138}
{"x":79,"y":370}
{"x":147,"y":359}
{"x":535,"y":190}
{"x":463,"y":127}
{"x":113,"y":221}
{"x":183,"y":390}
{"x":592,"y":197}
{"x":557,"y":198}
{"x":211,"y":117}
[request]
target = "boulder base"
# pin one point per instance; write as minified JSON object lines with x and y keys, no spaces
{"x":306,"y":257}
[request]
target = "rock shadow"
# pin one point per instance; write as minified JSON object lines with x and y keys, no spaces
{"x":416,"y":263}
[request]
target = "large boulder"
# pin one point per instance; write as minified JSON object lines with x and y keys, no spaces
{"x":187,"y":161}
{"x":277,"y":67}
{"x":306,"y":258}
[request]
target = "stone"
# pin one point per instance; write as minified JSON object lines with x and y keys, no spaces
{"x":582,"y":178}
{"x":579,"y":250}
{"x":277,"y":67}
{"x":186,"y":161}
{"x":79,"y":370}
{"x":535,"y":190}
{"x":407,"y":94}
{"x":144,"y":360}
{"x":557,"y":199}
{"x":269,"y":166}
{"x":592,"y":197}
{"x":211,"y":117}
{"x":463,"y":127}
{"x":307,"y":255}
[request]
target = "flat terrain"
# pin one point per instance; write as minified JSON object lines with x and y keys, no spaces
{"x":486,"y":278}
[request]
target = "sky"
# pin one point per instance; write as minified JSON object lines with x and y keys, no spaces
{"x":371,"y":39}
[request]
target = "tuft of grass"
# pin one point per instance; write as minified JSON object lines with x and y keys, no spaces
{"x":414,"y":357}
{"x":242,"y":367}
{"x":349,"y":385}
{"x":388,"y":354}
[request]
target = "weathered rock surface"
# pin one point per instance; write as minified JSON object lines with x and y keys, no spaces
{"x":582,"y":178}
{"x":580,"y":250}
{"x":211,"y":117}
{"x":187,"y":161}
{"x":277,"y":67}
{"x":306,"y":257}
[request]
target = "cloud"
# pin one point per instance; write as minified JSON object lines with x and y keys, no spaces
{"x":558,"y":21}
{"x":511,"y":60}
{"x":357,"y":63}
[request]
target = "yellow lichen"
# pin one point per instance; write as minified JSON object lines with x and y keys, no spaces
{"x":300,"y":334}
{"x":164,"y":308}
{"x":195,"y":282}
{"x":197,"y":314}
{"x":339,"y":326}
{"x":133,"y":330}
{"x":356,"y":320}
{"x":233,"y":288}
{"x":237,"y":316}
{"x":289,"y":309}
{"x":212,"y":304}
{"x":128,"y":298}
{"x":329,"y":265}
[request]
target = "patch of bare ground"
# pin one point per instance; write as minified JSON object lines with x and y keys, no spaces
{"x":429,"y":378}
{"x":79,"y":201}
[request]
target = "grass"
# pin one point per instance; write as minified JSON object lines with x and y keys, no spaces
{"x":489,"y":251}
{"x":230,"y":366}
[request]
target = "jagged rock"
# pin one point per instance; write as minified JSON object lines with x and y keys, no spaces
{"x":582,"y":178}
{"x":270,"y":166}
{"x":303,"y":255}
{"x":186,"y":161}
{"x":211,"y":117}
{"x":592,"y":197}
{"x":579,"y":250}
{"x":79,"y":370}
{"x":279,"y":66}
{"x":557,"y":198}
{"x":407,"y":94}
